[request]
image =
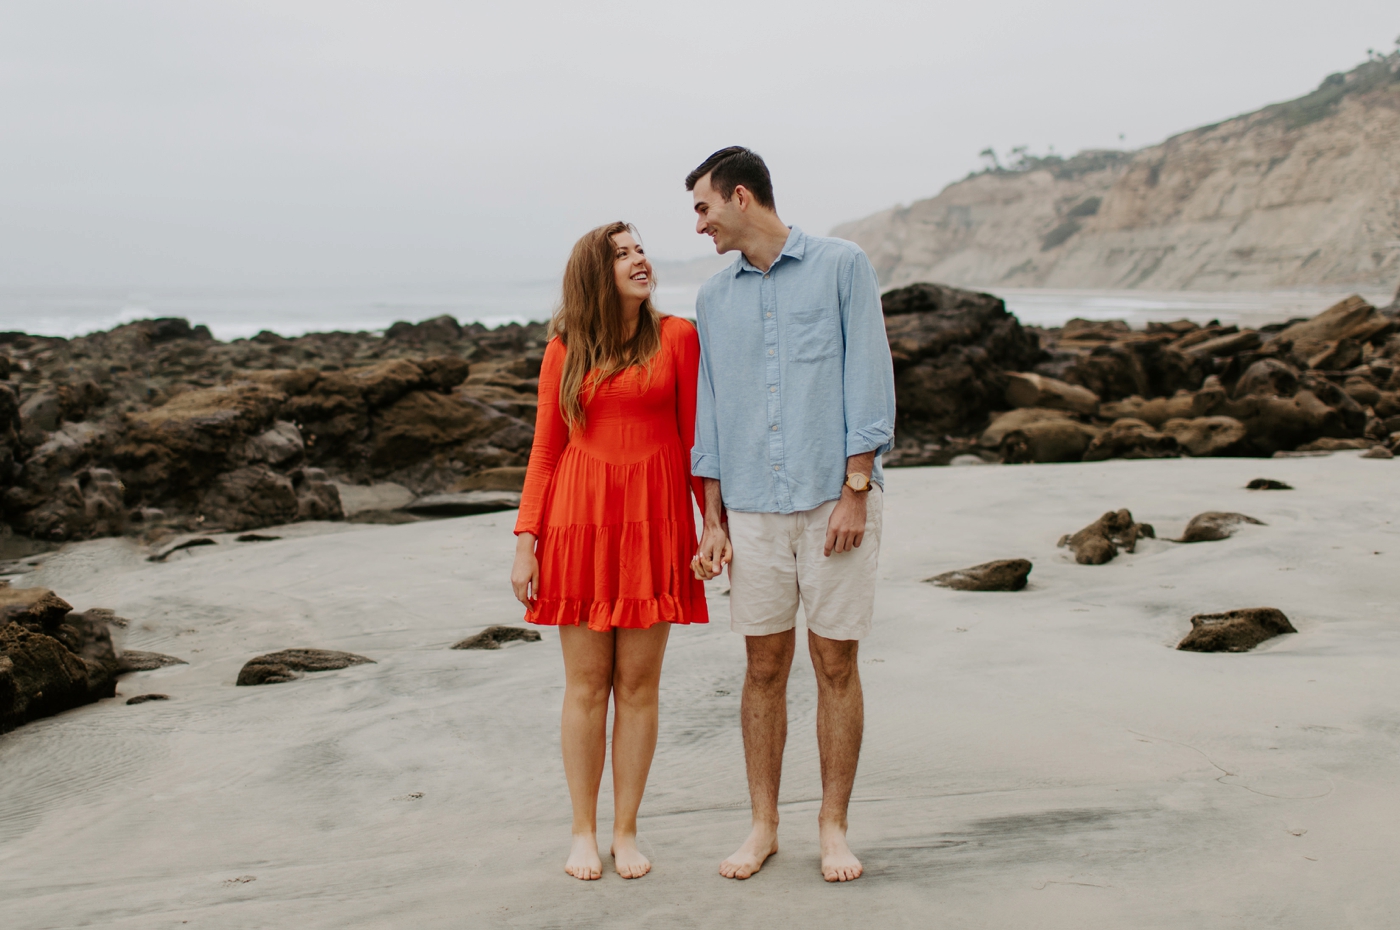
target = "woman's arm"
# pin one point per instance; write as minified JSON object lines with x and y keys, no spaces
{"x":687,"y":375}
{"x":551,"y":436}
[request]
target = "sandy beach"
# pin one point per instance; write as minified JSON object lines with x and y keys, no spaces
{"x":1042,"y":758}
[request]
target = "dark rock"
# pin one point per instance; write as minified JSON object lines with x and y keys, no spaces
{"x":143,"y":698}
{"x":1027,"y":389}
{"x":464,"y":504}
{"x":134,"y":660}
{"x":493,"y":637}
{"x":509,"y":478}
{"x":1131,"y":438}
{"x":1334,"y":445}
{"x":175,"y":545}
{"x":1098,"y":542}
{"x":1268,"y":376}
{"x":1001,"y":575}
{"x":50,"y":659}
{"x":1268,"y":484}
{"x":248,"y":498}
{"x":1235,"y":630}
{"x":290,"y":664}
{"x":1213,"y":525}
{"x":256,"y":537}
{"x":317,"y":496}
{"x":1226,"y":345}
{"x":1378,"y":452}
{"x":950,"y":348}
{"x":1208,"y":436}
{"x":1048,"y":441}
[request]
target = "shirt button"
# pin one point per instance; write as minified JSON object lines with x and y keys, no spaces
{"x":772,"y":390}
{"x":775,"y":429}
{"x":765,"y":277}
{"x":775,"y":467}
{"x":769,"y":315}
{"x":770,"y":351}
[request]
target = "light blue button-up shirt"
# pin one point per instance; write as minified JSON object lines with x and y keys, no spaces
{"x":795,"y":376}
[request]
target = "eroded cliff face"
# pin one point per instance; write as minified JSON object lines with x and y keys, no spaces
{"x":1300,"y":194}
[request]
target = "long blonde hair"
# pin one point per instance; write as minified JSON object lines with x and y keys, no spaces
{"x":589,"y":322}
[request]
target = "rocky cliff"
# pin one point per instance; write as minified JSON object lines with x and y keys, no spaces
{"x":1298,"y":194}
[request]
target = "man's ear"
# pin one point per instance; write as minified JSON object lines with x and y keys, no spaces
{"x":742,"y":198}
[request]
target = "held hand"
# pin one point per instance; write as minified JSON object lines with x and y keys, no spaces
{"x":525,"y":574}
{"x":846,"y":528}
{"x":715,"y":553}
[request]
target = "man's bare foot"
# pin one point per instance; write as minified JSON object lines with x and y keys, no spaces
{"x":583,"y":858}
{"x":749,"y":858}
{"x":839,"y":864}
{"x":627,"y":858}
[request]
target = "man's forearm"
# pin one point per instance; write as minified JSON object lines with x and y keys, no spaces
{"x":862,"y":464}
{"x":714,"y":503}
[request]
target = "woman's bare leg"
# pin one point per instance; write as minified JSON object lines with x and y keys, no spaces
{"x":583,"y":733}
{"x":636,"y":680}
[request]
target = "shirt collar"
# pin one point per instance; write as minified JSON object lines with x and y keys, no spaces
{"x":794,"y":248}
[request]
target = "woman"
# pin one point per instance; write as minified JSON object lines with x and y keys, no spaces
{"x":606,"y":531}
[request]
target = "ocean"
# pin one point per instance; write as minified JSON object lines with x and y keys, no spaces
{"x":243,"y":312}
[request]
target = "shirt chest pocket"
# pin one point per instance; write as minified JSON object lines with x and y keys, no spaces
{"x":813,"y":334}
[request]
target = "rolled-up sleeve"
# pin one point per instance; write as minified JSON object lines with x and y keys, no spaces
{"x":868,"y":371}
{"x":704,"y":455}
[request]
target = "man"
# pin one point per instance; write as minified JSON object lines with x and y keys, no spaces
{"x":795,"y":406}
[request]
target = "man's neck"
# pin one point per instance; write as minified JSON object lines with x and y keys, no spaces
{"x":765,"y":243}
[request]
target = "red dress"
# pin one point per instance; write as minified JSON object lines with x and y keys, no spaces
{"x":610,"y":504}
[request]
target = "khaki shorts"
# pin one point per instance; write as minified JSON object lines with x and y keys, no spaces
{"x":778,"y":561}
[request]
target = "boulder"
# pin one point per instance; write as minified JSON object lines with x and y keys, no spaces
{"x":1098,"y":542}
{"x":464,"y":504}
{"x":318,"y":498}
{"x":1048,"y":441}
{"x":950,"y":348}
{"x":249,"y":498}
{"x":1003,"y":423}
{"x":1352,"y":319}
{"x":1277,"y":423}
{"x":134,"y":660}
{"x":1235,"y":630}
{"x":1156,"y":411}
{"x":493,"y":637}
{"x":1212,"y":525}
{"x":290,"y":664}
{"x":1231,"y":344}
{"x":1378,"y":452}
{"x":1131,"y":438}
{"x":279,"y":445}
{"x":1207,"y":436}
{"x":1268,"y":376}
{"x":146,"y":698}
{"x":422,"y":423}
{"x":1027,"y":389}
{"x":1268,"y":484}
{"x":1362,"y":391}
{"x":1334,"y":445}
{"x":370,"y":498}
{"x":41,"y":411}
{"x":52,"y":658}
{"x":1001,"y":575}
{"x":509,"y":478}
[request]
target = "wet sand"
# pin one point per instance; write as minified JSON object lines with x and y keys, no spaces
{"x":1033,"y":759}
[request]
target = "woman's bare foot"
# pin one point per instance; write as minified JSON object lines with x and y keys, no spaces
{"x":627,"y":858}
{"x":839,"y":864}
{"x":749,"y":858}
{"x":583,"y":858}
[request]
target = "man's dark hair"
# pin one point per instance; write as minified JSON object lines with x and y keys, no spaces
{"x":729,"y":168}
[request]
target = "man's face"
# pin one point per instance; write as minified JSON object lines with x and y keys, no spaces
{"x":722,"y":220}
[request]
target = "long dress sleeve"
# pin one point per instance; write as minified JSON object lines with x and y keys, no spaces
{"x":551,"y":436}
{"x":687,"y":355}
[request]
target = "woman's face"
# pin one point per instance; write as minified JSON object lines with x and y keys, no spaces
{"x":631,"y":270}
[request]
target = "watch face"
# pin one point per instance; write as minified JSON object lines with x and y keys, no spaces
{"x":857,"y":482}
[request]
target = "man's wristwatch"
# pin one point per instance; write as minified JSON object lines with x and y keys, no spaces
{"x":858,"y":482}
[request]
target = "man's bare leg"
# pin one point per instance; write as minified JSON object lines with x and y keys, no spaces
{"x":636,"y":681}
{"x":764,"y":713}
{"x":588,"y":675}
{"x":840,"y":726}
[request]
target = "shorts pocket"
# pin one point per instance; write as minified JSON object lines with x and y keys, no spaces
{"x":813,"y":334}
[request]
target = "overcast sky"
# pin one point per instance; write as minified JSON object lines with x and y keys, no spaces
{"x":424,"y":142}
